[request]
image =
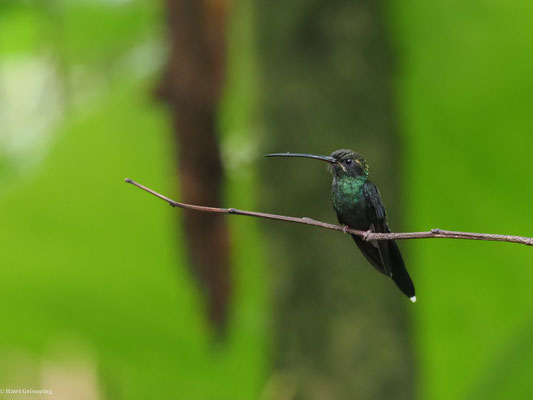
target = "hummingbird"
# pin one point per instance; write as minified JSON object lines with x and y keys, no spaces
{"x":358,"y":205}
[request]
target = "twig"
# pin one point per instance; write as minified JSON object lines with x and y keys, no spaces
{"x":366,"y":235}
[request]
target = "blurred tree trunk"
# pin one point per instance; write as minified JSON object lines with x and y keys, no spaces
{"x":191,"y":87}
{"x":342,"y":328}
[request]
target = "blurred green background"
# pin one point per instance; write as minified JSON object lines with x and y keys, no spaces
{"x":97,"y":301}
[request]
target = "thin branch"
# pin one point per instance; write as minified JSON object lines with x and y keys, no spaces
{"x":366,"y":235}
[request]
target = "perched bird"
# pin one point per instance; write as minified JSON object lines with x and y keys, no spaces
{"x":358,"y":205}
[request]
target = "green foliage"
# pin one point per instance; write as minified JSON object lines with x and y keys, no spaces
{"x":19,"y":29}
{"x":464,"y":89}
{"x":94,"y":272}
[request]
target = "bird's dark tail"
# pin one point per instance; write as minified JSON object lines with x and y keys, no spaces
{"x":385,"y":256}
{"x":392,"y":256}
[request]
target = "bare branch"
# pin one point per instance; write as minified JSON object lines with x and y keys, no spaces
{"x":366,"y":235}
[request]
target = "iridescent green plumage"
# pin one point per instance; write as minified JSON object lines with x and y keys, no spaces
{"x":358,"y":205}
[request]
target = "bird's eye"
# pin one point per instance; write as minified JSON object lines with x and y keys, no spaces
{"x":348,"y":161}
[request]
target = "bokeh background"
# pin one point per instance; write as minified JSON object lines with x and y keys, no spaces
{"x":100,"y":295}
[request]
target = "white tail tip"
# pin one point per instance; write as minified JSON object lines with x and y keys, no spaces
{"x":413,"y":299}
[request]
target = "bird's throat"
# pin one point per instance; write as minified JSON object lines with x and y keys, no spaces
{"x":347,"y":191}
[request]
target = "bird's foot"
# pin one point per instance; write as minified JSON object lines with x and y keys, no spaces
{"x":345,"y":229}
{"x":367,"y":234}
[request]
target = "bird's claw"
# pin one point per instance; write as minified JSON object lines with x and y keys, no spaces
{"x":366,"y":234}
{"x":345,"y":229}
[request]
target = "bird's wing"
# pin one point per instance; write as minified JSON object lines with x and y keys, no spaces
{"x":388,"y":249}
{"x":378,"y":220}
{"x":376,"y":209}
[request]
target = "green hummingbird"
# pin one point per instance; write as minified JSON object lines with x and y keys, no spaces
{"x":358,"y":205}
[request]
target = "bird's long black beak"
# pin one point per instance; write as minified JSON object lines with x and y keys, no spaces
{"x":328,"y":159}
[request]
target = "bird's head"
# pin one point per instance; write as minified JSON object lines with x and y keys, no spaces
{"x":348,"y":163}
{"x":342,"y":162}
